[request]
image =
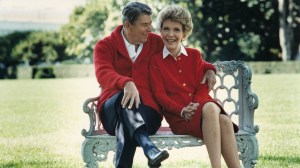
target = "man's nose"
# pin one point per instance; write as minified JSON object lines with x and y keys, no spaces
{"x":150,"y":28}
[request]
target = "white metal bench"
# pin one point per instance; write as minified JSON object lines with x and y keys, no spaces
{"x":232,"y":91}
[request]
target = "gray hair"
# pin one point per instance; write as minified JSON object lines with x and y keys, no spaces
{"x":176,"y":14}
{"x":133,"y":10}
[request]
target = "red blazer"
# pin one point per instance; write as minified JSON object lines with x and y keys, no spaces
{"x":113,"y":66}
{"x":177,"y":83}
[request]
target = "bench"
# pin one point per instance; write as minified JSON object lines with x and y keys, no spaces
{"x":232,"y":91}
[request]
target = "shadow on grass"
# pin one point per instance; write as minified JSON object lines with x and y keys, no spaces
{"x":31,"y":164}
{"x":281,"y":159}
{"x":25,"y":164}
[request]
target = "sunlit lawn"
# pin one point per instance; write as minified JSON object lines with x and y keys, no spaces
{"x":41,"y":121}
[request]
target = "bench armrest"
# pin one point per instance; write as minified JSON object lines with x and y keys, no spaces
{"x":90,"y":108}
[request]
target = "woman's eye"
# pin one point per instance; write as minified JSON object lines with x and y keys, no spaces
{"x":166,"y":30}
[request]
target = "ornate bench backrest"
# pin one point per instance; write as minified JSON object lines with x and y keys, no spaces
{"x":233,"y":92}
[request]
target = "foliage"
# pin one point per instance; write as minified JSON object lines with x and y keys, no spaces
{"x":84,"y":29}
{"x":7,"y":62}
{"x":43,"y":72}
{"x":40,"y":47}
{"x":7,"y":44}
{"x":234,"y":29}
{"x":225,"y":27}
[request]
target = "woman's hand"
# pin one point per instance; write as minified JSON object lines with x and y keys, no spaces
{"x":189,"y":111}
{"x":131,"y":95}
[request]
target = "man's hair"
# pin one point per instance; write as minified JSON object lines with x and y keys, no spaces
{"x":133,"y":10}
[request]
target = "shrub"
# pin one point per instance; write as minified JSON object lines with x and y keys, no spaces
{"x":43,"y":72}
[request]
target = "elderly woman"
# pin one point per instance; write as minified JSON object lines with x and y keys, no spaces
{"x":176,"y":75}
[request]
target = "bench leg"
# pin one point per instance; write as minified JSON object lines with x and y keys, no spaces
{"x":94,"y":150}
{"x":248,"y":149}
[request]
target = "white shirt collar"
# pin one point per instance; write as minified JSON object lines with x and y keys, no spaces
{"x":131,"y":48}
{"x":125,"y":40}
{"x":166,"y":52}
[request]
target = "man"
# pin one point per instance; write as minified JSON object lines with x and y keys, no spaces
{"x":127,"y":107}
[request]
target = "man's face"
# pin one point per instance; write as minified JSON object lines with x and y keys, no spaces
{"x":138,"y":31}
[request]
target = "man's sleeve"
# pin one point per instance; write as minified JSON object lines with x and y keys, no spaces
{"x":105,"y":72}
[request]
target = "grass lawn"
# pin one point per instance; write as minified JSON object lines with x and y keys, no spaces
{"x":41,"y":121}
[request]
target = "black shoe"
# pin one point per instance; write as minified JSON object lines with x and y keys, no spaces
{"x":154,"y":166}
{"x":156,"y":156}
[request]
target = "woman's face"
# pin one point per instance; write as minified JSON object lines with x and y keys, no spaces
{"x":172,"y":35}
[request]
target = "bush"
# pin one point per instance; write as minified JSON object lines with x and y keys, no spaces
{"x":42,"y":72}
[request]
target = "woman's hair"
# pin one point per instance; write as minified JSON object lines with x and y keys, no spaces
{"x":133,"y":10}
{"x":176,"y":14}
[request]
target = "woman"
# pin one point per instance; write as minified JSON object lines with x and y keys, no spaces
{"x":176,"y":75}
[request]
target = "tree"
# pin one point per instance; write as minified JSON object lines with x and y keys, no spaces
{"x":40,"y":47}
{"x":289,"y":12}
{"x":227,"y":23}
{"x":234,"y":29}
{"x":84,"y":29}
{"x":7,"y":43}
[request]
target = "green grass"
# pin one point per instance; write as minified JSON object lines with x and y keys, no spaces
{"x":278,"y":117}
{"x":41,"y":121}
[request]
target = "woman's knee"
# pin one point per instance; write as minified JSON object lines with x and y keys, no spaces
{"x":210,"y":109}
{"x":225,"y":121}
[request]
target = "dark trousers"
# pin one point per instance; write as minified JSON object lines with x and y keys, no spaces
{"x":123,"y":122}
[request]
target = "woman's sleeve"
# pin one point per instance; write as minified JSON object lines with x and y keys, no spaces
{"x":208,"y":66}
{"x":106,"y":76}
{"x":159,"y":91}
{"x":202,"y":89}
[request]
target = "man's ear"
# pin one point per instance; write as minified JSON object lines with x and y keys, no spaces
{"x":127,"y":24}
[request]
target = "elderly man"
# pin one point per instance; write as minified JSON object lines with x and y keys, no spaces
{"x":127,"y":108}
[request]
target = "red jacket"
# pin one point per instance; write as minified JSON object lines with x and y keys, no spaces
{"x":177,"y":83}
{"x":113,"y":66}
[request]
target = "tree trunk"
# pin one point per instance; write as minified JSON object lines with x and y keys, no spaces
{"x":285,"y":29}
{"x":297,"y":57}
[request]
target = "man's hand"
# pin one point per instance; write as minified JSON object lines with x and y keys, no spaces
{"x":210,"y":77}
{"x":189,"y":111}
{"x":131,"y":95}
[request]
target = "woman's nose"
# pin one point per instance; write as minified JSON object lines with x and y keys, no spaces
{"x":170,"y":33}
